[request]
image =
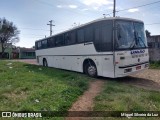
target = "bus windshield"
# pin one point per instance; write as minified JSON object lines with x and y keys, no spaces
{"x":130,"y":35}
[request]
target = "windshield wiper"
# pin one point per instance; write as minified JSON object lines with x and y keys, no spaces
{"x":139,"y":38}
{"x":134,"y":42}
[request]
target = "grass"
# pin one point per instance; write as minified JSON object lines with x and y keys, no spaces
{"x":121,"y":97}
{"x":155,"y":65}
{"x":26,"y":87}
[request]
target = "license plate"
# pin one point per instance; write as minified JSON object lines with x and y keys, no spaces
{"x":138,"y":67}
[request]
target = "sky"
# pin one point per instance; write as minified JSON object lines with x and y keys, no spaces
{"x":32,"y":16}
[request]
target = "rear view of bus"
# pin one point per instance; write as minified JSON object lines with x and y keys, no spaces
{"x":130,"y":46}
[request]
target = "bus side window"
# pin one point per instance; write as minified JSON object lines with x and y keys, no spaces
{"x":67,"y":38}
{"x":107,"y":32}
{"x":88,"y":34}
{"x":51,"y":42}
{"x":97,"y":41}
{"x":70,"y":38}
{"x":59,"y":41}
{"x":36,"y":45}
{"x":44,"y":44}
{"x":39,"y":45}
{"x":80,"y":36}
{"x":73,"y":37}
{"x":103,"y":36}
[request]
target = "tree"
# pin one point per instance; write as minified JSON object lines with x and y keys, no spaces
{"x":148,"y":34}
{"x":8,"y":34}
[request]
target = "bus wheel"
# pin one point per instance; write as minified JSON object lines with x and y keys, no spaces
{"x":91,"y":70}
{"x":45,"y":62}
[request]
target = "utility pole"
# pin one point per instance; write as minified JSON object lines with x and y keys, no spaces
{"x":114,"y":8}
{"x":50,"y":24}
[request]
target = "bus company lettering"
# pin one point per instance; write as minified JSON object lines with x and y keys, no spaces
{"x":137,"y":52}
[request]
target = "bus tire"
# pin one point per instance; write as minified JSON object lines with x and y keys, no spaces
{"x":91,"y":70}
{"x":45,"y":64}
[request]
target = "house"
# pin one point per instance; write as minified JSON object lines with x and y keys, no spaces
{"x":8,"y":51}
{"x":26,"y":53}
{"x":154,"y":47}
{"x":13,"y":52}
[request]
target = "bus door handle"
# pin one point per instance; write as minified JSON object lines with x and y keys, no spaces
{"x":88,"y":43}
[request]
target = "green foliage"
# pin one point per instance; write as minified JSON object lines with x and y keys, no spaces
{"x":148,"y":34}
{"x":155,"y":64}
{"x":8,"y":31}
{"x":8,"y":34}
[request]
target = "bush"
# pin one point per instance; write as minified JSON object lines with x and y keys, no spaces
{"x":155,"y":64}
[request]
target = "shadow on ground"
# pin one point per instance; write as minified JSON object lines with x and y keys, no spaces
{"x":135,"y":81}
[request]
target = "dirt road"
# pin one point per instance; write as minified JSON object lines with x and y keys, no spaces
{"x":85,"y":101}
{"x":30,"y":61}
{"x":148,"y":79}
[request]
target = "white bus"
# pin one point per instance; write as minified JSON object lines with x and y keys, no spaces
{"x":108,"y":47}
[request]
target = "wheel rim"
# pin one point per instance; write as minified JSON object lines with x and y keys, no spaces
{"x":91,"y":70}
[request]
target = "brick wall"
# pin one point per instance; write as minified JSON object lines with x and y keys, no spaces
{"x":154,"y":47}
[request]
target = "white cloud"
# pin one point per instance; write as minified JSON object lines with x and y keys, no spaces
{"x":85,"y":9}
{"x":133,"y":10}
{"x":67,"y":6}
{"x":110,"y":7}
{"x":95,"y":8}
{"x":59,"y":6}
{"x":97,"y":2}
{"x":72,"y":6}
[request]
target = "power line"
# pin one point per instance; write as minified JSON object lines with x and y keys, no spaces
{"x":46,"y":3}
{"x":34,"y":29}
{"x":65,"y":29}
{"x":32,"y":35}
{"x":138,"y":6}
{"x":135,"y":7}
{"x":152,"y":24}
{"x":41,"y":29}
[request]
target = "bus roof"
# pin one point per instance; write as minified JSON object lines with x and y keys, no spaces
{"x":94,"y":21}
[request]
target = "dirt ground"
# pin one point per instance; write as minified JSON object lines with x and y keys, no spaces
{"x":85,"y":101}
{"x":150,"y":74}
{"x":30,"y":61}
{"x":148,"y":79}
